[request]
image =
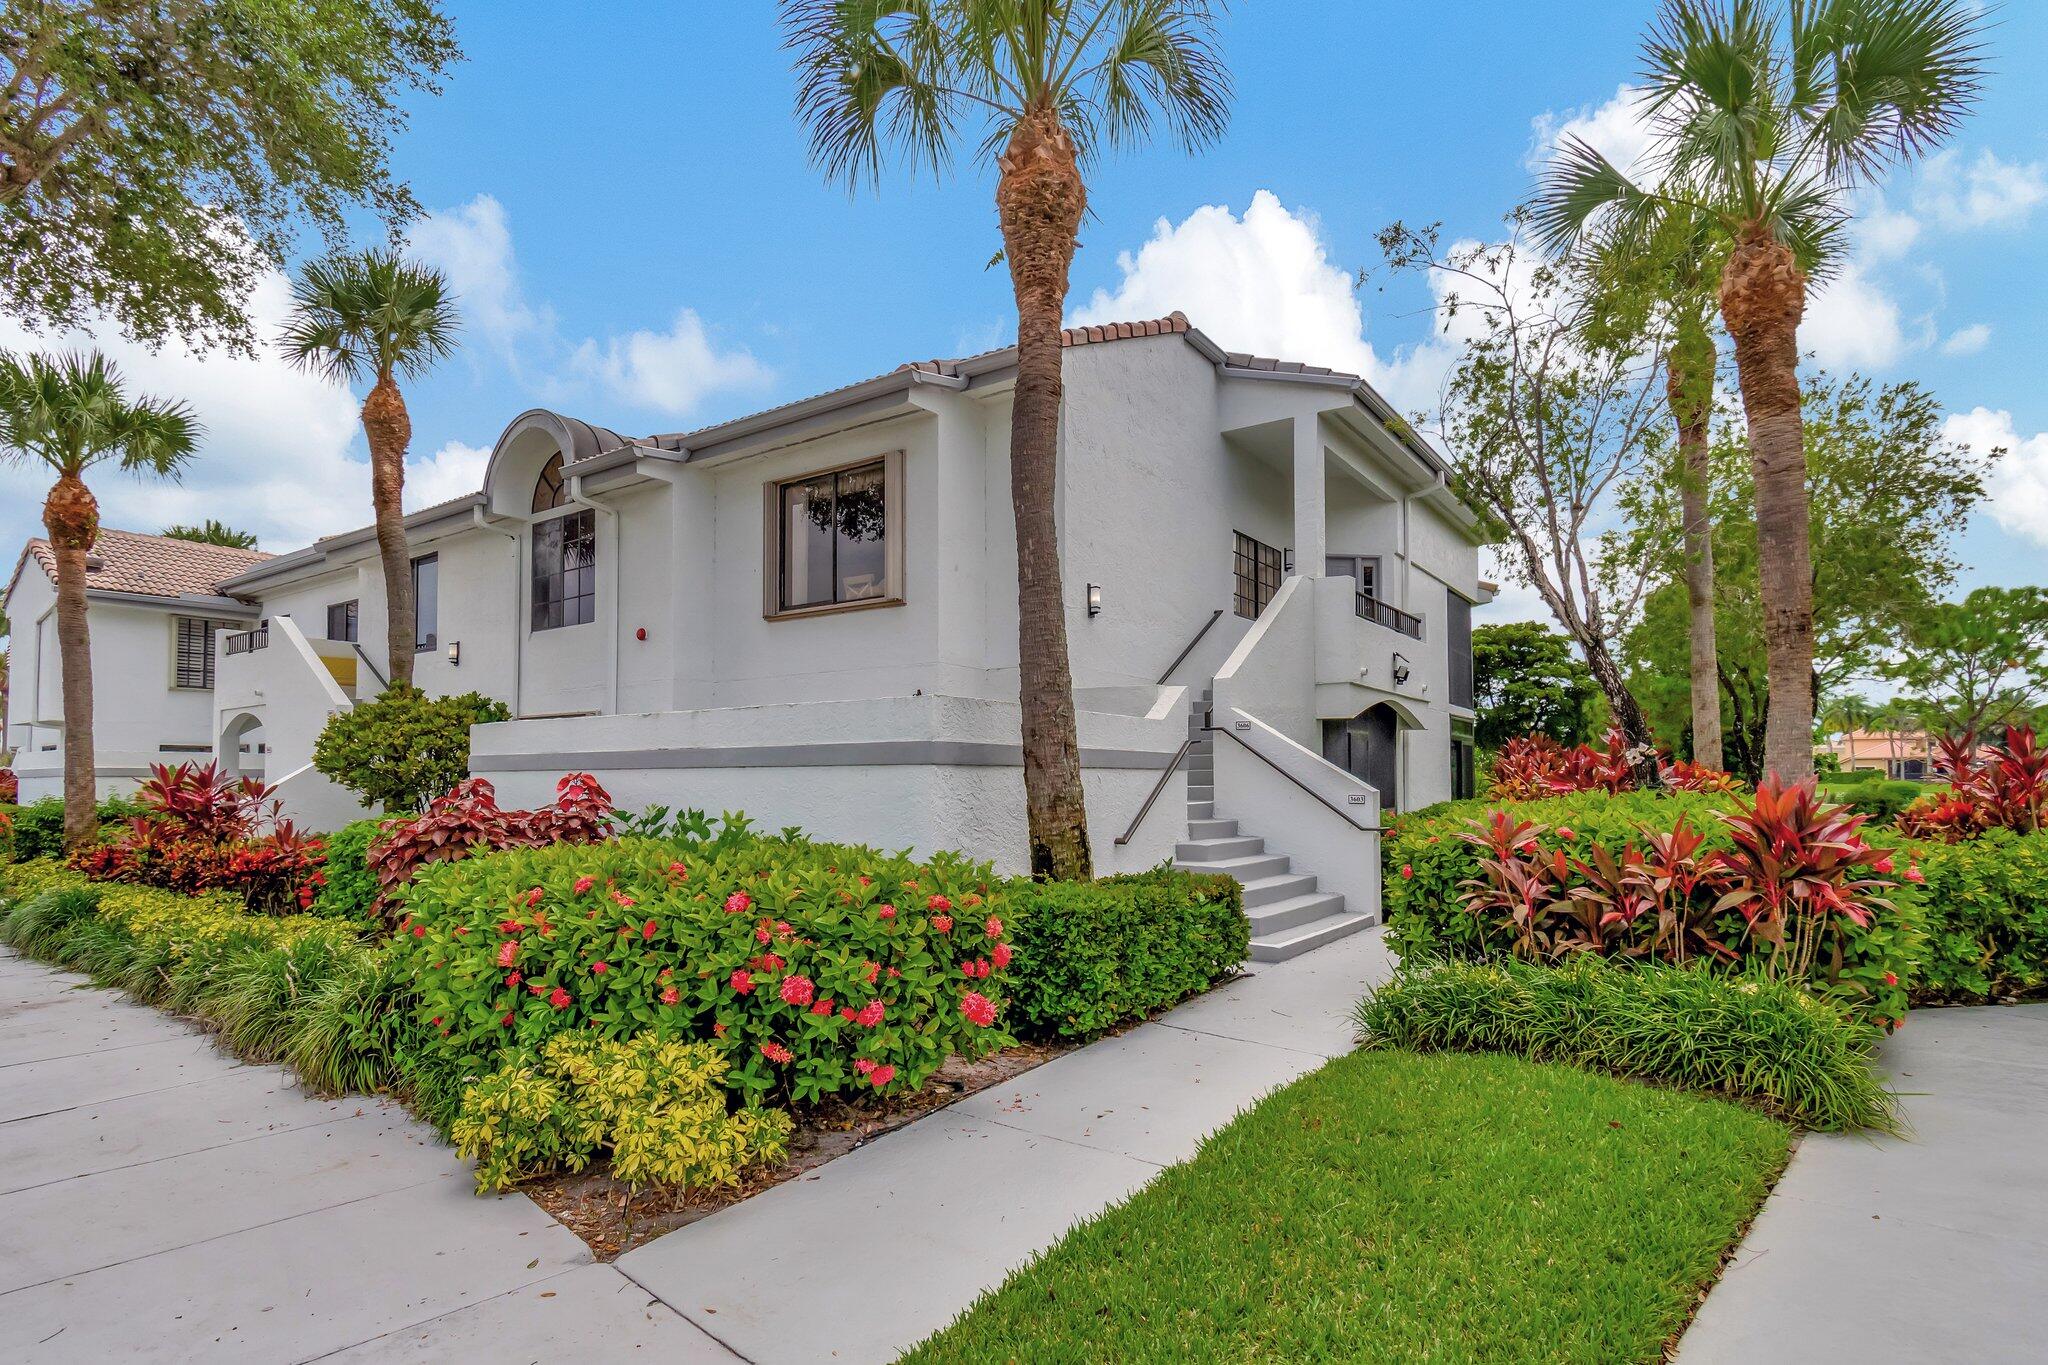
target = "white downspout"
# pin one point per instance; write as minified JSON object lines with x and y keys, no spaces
{"x":486,"y":523}
{"x":577,"y":496}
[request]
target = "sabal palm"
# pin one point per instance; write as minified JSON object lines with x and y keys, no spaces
{"x":72,"y":413}
{"x":1765,"y":115}
{"x":1050,"y":83}
{"x":375,"y":316}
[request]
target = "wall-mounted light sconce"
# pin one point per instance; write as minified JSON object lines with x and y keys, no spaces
{"x":1287,"y":560}
{"x":1400,"y":670}
{"x":455,"y":653}
{"x":1095,"y":599}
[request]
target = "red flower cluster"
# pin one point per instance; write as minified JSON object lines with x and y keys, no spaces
{"x":979,"y":1009}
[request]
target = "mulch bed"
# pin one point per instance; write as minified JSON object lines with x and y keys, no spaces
{"x":612,"y":1219}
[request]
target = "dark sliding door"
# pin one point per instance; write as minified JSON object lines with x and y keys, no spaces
{"x":1367,"y":746}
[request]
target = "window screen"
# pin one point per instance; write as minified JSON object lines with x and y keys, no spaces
{"x":426,"y":603}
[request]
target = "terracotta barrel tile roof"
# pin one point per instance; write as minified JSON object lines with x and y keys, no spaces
{"x":154,"y":566}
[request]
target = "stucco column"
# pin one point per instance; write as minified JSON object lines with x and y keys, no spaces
{"x":1310,"y":523}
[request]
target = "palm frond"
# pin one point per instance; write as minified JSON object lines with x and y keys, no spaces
{"x":72,"y":411}
{"x":1884,"y":80}
{"x":368,"y":314}
{"x":1158,"y":57}
{"x":1582,"y":191}
{"x":874,"y":75}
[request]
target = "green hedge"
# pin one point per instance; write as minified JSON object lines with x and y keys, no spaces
{"x":1767,"y":1043}
{"x":1093,"y":955}
{"x":350,"y":887}
{"x":39,"y":826}
{"x":1983,"y":914}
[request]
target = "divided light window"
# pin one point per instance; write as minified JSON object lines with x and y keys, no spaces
{"x":194,"y":662}
{"x":341,"y":617}
{"x":1258,"y":571}
{"x":565,"y":571}
{"x":426,"y":604}
{"x":1458,"y":619}
{"x":833,"y":534}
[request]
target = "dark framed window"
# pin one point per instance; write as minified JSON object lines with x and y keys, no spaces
{"x":1458,"y":632}
{"x":1259,"y":570}
{"x":426,"y":603}
{"x":832,"y":539}
{"x":1362,"y":569}
{"x":341,"y":616}
{"x":565,"y":571}
{"x":550,"y":490}
{"x":1464,"y":761}
{"x":194,"y":653}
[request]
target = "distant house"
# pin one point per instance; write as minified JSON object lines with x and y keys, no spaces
{"x":155,"y":609}
{"x":1903,"y":755}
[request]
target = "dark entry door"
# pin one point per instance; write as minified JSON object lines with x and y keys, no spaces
{"x":1366,"y":747}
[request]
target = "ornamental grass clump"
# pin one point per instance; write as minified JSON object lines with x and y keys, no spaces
{"x":1765,"y":1042}
{"x":815,"y":970}
{"x":657,"y":1105}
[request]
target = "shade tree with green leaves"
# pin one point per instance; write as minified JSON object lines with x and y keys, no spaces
{"x":212,"y":531}
{"x":1765,"y":116}
{"x":375,"y":316}
{"x":1973,"y":666}
{"x":1040,"y":88}
{"x":71,"y":414}
{"x":1527,"y":681}
{"x":156,"y":159}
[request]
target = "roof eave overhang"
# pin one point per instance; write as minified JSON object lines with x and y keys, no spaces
{"x":316,"y":557}
{"x":209,"y":603}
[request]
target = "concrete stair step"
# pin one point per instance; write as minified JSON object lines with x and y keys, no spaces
{"x":1293,"y":943}
{"x":1201,"y":791}
{"x":1245,"y":869}
{"x":1261,"y":891}
{"x":1206,"y":828}
{"x":1280,"y":916}
{"x":1201,"y":810}
{"x":1217,"y":850}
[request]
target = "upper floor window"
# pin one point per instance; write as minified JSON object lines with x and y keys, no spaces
{"x":426,"y":603}
{"x":192,"y":663}
{"x":1458,"y":630}
{"x":341,"y":617}
{"x":565,"y":570}
{"x":833,"y":539}
{"x":550,"y":490}
{"x":1259,"y":570}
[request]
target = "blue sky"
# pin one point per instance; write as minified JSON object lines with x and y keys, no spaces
{"x":626,"y":205}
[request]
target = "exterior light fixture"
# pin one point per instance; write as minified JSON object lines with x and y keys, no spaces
{"x":1400,"y":670}
{"x":455,"y":653}
{"x":1095,"y":599}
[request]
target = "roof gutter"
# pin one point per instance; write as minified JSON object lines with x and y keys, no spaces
{"x":322,"y":550}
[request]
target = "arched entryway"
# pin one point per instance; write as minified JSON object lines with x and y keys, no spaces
{"x":241,"y":750}
{"x":1368,"y":746}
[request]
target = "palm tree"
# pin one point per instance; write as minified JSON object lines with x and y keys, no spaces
{"x":1765,"y":115}
{"x":72,"y":413}
{"x":375,"y":315}
{"x":1055,"y":81}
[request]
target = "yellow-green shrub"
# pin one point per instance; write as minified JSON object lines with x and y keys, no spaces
{"x":657,"y":1103}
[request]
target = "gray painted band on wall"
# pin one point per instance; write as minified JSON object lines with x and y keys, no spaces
{"x":937,"y":753}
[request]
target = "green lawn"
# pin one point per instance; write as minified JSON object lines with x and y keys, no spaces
{"x":1400,"y":1207}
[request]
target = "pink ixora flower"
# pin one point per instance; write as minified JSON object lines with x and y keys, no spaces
{"x":863,"y":1065}
{"x":647,"y":929}
{"x":742,"y":981}
{"x":1001,"y":956}
{"x":508,"y":953}
{"x":737,"y":903}
{"x":678,"y":871}
{"x":994,"y":927}
{"x":777,"y":1053}
{"x":1891,"y":978}
{"x":871,"y":1014}
{"x":886,"y":911}
{"x":622,"y":900}
{"x":559,"y":998}
{"x":979,"y":1009}
{"x":583,"y":884}
{"x":1407,"y":872}
{"x":600,"y":968}
{"x":533,"y":896}
{"x":938,"y":903}
{"x":1915,"y":875}
{"x":797,"y":990}
{"x":882,"y":1075}
{"x":943,"y":923}
{"x":823,"y":1006}
{"x":1883,"y":865}
{"x":670,"y":996}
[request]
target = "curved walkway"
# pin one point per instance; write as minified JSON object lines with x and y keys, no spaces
{"x":160,"y":1200}
{"x":1933,"y":1248}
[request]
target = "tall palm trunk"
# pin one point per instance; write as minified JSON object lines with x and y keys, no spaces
{"x":1040,"y":199}
{"x":71,"y":515}
{"x":389,"y":429}
{"x":1688,"y":386}
{"x":1763,"y":297}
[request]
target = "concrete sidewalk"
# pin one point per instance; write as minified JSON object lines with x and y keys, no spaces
{"x":870,"y":1254}
{"x":1933,"y":1248}
{"x":161,"y":1201}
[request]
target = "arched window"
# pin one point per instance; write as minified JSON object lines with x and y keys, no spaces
{"x":549,"y":490}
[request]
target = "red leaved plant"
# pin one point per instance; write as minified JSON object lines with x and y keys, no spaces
{"x":469,"y":820}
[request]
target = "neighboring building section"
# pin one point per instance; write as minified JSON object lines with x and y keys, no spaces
{"x":154,"y":611}
{"x":1905,"y":755}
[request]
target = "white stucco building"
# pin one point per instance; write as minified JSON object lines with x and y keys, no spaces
{"x":154,"y":608}
{"x":809,"y":614}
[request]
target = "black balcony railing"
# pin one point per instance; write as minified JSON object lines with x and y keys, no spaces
{"x":1370,"y":608}
{"x":249,"y":641}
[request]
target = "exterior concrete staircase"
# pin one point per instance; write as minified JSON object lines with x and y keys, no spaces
{"x":1289,"y":915}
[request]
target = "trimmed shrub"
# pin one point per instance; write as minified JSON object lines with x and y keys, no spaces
{"x":1881,"y":800}
{"x":469,"y":820}
{"x":1982,"y":907}
{"x":1767,"y":1043}
{"x":657,"y":1104}
{"x":350,"y":889}
{"x":815,"y":969}
{"x":39,"y":826}
{"x":405,"y":748}
{"x":1093,"y":955}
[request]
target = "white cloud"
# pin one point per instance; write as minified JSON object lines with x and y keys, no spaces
{"x":1263,"y":283}
{"x":669,"y":372}
{"x":1967,"y":340}
{"x":1852,"y":322}
{"x":1882,"y":233}
{"x":2017,"y":498}
{"x":1619,"y":130}
{"x":455,"y":470}
{"x":666,"y":373}
{"x":1984,"y":192}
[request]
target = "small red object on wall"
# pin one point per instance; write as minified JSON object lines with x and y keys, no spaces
{"x":640,"y":634}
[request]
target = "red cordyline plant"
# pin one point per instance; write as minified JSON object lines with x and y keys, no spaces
{"x":10,"y":787}
{"x":1798,"y":866}
{"x":1531,"y":767}
{"x":469,"y":820}
{"x":2002,"y":784}
{"x":1698,"y":777}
